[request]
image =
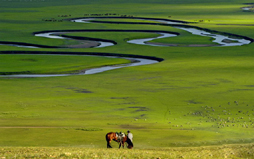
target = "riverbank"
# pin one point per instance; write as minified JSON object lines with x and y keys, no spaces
{"x":135,"y":60}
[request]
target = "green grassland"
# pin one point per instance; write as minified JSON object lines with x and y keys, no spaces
{"x":197,"y":96}
{"x":232,"y":151}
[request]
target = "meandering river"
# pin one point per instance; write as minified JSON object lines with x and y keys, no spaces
{"x":136,"y":62}
{"x":220,"y":39}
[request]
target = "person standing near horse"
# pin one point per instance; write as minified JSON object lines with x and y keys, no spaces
{"x":129,"y":139}
{"x":130,"y":135}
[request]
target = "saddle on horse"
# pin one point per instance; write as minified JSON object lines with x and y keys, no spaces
{"x":120,"y":136}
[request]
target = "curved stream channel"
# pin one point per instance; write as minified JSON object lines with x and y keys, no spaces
{"x":135,"y":61}
{"x":250,"y":7}
{"x":220,"y":39}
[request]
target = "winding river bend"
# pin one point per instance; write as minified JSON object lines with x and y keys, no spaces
{"x":222,"y":39}
{"x":249,"y":8}
{"x":135,"y":61}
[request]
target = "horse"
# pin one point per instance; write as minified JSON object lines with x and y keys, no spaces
{"x":118,"y":138}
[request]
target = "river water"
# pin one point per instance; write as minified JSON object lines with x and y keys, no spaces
{"x":222,"y":40}
{"x":137,"y":62}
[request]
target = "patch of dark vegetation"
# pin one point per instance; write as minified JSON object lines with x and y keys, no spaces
{"x":209,"y":84}
{"x":128,"y":126}
{"x":112,"y":124}
{"x":235,"y":90}
{"x":142,"y":115}
{"x":129,"y":103}
{"x":13,"y":73}
{"x":101,"y":14}
{"x":26,"y":44}
{"x":138,"y":109}
{"x":89,"y":129}
{"x":249,"y":85}
{"x":194,"y":102}
{"x":52,"y":20}
{"x":124,"y":100}
{"x":83,"y":91}
{"x":119,"y":97}
{"x":224,"y":80}
{"x":80,"y":90}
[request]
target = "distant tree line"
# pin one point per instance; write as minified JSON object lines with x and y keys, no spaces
{"x":65,"y":15}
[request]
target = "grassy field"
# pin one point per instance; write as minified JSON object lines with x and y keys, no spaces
{"x":235,"y":151}
{"x":197,"y":96}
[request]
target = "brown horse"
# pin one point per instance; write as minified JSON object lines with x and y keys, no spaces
{"x":121,"y":140}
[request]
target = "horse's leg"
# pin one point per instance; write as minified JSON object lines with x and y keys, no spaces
{"x":121,"y":143}
{"x":124,"y":140}
{"x":108,"y":144}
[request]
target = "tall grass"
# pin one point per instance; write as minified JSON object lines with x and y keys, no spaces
{"x":226,"y":151}
{"x":182,"y":101}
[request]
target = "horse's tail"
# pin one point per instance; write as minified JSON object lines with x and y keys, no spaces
{"x":107,"y":137}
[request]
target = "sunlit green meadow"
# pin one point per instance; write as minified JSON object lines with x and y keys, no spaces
{"x":197,"y":96}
